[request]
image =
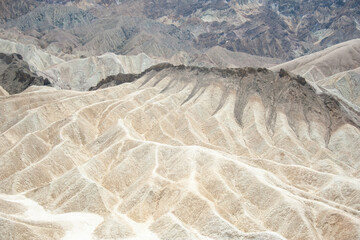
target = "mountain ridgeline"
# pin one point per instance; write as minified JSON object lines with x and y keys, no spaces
{"x":278,"y":91}
{"x":277,"y":29}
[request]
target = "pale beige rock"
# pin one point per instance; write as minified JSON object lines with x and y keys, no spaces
{"x":336,"y":69}
{"x":3,"y":92}
{"x":37,"y":59}
{"x":338,"y":58}
{"x":224,"y":58}
{"x":346,"y":84}
{"x":181,"y":154}
{"x":81,"y":74}
{"x":77,"y":73}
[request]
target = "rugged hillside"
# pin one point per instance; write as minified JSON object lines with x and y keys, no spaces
{"x":339,"y":58}
{"x":223,"y":58}
{"x":280,"y":29}
{"x":15,"y":74}
{"x":170,"y":150}
{"x":181,"y":152}
{"x":81,"y":74}
{"x":335,"y":68}
{"x":47,"y":17}
{"x":273,"y":28}
{"x":346,"y":84}
{"x":74,"y":31}
{"x":10,"y":9}
{"x":77,"y":73}
{"x":37,"y":59}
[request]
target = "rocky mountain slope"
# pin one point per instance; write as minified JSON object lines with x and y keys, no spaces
{"x":72,"y":30}
{"x":81,"y":73}
{"x":181,"y":153}
{"x":346,"y":84}
{"x":37,"y":59}
{"x":335,"y":68}
{"x":282,"y":29}
{"x":78,"y":73}
{"x":48,"y":17}
{"x":223,"y":58}
{"x":12,"y":9}
{"x":339,"y":58}
{"x":277,"y":29}
{"x":15,"y":74}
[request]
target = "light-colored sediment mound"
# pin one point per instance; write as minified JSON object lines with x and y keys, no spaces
{"x":15,"y":74}
{"x":335,"y":69}
{"x":81,"y":74}
{"x":339,"y":58}
{"x":181,"y":153}
{"x":3,"y":92}
{"x":223,"y":58}
{"x":346,"y":83}
{"x":37,"y":59}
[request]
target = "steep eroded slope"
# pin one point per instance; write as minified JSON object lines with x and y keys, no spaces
{"x":185,"y":152}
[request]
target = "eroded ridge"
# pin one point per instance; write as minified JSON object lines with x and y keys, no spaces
{"x":182,"y":152}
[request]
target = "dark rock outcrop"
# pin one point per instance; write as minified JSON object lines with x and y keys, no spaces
{"x":121,"y":78}
{"x":15,"y":75}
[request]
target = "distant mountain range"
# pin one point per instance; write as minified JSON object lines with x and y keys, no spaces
{"x":273,"y":28}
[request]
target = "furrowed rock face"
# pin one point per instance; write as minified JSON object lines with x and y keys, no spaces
{"x":47,"y":17}
{"x":71,"y":30}
{"x":276,"y":29}
{"x":11,"y":9}
{"x":279,"y":29}
{"x":336,"y":59}
{"x":37,"y":59}
{"x":182,"y":152}
{"x":79,"y":73}
{"x":346,"y":83}
{"x":335,"y":69}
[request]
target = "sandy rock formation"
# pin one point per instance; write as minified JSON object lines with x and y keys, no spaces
{"x":11,"y":9}
{"x":3,"y":92}
{"x":37,"y":59}
{"x":77,"y":73}
{"x":82,"y":73}
{"x":346,"y":84}
{"x":181,"y":153}
{"x":223,"y":58}
{"x":339,"y":58}
{"x":335,"y":69}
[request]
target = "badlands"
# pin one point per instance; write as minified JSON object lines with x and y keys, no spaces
{"x":189,"y":119}
{"x":181,"y":153}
